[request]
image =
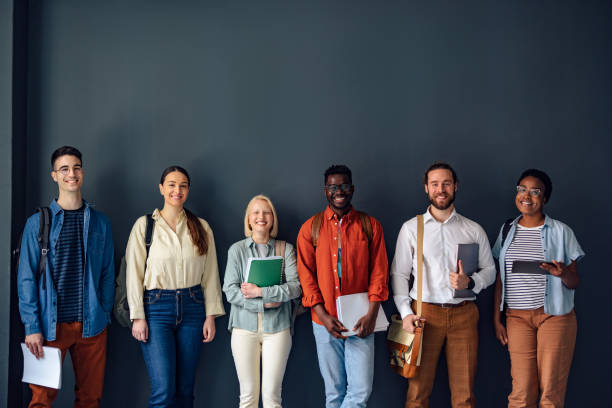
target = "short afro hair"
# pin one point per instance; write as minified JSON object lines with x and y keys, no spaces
{"x":338,"y":169}
{"x":540,"y":175}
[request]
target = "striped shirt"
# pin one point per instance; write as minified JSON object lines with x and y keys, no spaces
{"x":69,"y":268}
{"x":525,"y":290}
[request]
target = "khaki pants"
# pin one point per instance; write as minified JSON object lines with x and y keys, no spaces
{"x":456,"y":330}
{"x":88,"y":357}
{"x":541,"y":348}
{"x":272,"y":350}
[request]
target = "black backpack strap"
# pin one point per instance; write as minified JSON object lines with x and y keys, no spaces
{"x":506,"y":229}
{"x":149,"y":234}
{"x":43,"y":242}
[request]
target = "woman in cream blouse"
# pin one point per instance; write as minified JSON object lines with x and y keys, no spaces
{"x":175,"y":297}
{"x":261,"y":317}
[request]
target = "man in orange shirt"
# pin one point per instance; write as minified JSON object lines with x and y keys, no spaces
{"x":340,"y":252}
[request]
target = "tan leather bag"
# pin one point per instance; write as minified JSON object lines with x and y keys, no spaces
{"x":405,"y":348}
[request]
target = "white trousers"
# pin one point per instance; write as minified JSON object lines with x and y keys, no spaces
{"x":272,"y":350}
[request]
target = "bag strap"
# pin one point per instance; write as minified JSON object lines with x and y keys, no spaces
{"x":43,"y":242}
{"x":279,"y":250}
{"x":506,"y":229}
{"x":366,"y":225}
{"x":316,"y":228}
{"x":420,"y":231}
{"x":149,"y":234}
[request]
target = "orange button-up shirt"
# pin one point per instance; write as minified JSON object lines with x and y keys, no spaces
{"x":364,"y":267}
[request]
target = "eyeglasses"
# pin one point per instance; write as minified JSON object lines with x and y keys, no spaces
{"x":534,"y":192}
{"x":65,"y":170}
{"x":333,"y":188}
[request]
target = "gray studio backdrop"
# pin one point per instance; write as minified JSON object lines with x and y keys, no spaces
{"x":260,"y":97}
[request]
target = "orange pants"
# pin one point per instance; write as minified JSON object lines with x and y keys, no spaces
{"x":88,"y":357}
{"x":541,"y":348}
{"x":456,"y":330}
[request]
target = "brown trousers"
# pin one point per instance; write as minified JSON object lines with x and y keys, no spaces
{"x":456,"y":330}
{"x":541,"y":348}
{"x":88,"y":357}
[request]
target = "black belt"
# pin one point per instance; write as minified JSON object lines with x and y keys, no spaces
{"x":449,"y":305}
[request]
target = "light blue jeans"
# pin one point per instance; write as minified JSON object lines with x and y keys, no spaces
{"x":347,"y":368}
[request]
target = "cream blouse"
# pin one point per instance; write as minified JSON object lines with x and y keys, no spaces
{"x":173,"y":263}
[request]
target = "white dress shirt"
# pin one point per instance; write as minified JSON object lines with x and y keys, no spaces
{"x":440,"y":240}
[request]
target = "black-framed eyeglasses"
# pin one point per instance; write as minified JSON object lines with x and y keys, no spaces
{"x":534,"y":192}
{"x":333,"y":188}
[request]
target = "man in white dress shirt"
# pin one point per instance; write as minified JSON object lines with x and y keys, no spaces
{"x":451,"y":323}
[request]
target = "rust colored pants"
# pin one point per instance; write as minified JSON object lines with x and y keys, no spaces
{"x":88,"y":357}
{"x":456,"y":330}
{"x":541,"y":348}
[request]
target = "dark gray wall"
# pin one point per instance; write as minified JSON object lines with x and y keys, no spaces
{"x":262,"y":96}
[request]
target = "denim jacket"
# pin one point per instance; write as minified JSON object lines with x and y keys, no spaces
{"x":559,"y":243}
{"x":38,"y":304}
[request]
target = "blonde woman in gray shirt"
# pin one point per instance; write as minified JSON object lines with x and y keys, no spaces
{"x":260,"y":317}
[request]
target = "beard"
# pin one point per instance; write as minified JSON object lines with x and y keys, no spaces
{"x":450,"y":200}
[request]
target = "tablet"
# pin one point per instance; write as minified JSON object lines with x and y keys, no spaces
{"x":532,"y":267}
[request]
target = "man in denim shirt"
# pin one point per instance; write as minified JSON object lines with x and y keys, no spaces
{"x":69,"y":306}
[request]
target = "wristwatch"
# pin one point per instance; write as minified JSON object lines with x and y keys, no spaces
{"x":471,"y":283}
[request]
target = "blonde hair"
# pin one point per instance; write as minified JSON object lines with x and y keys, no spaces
{"x":247,"y":228}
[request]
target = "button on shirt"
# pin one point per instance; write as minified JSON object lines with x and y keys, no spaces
{"x":440,"y":242}
{"x":364,"y":267}
{"x":174,"y":263}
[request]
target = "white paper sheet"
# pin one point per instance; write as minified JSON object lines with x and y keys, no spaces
{"x":353,"y":307}
{"x":45,"y":371}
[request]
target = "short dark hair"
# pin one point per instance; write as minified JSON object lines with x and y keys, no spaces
{"x":338,"y":169}
{"x":65,"y":151}
{"x":440,"y":165}
{"x":540,"y":175}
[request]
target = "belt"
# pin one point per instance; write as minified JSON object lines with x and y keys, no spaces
{"x":449,"y":305}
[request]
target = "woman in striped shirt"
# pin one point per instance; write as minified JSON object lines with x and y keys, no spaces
{"x":540,"y":328}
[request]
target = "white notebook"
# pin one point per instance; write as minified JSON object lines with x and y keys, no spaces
{"x":45,"y":371}
{"x":353,"y":307}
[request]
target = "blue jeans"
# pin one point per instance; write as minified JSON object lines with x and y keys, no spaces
{"x":175,"y":319}
{"x":347,"y":368}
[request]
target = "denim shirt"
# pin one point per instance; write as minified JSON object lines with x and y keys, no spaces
{"x":559,"y":243}
{"x":38,"y":304}
{"x":243,"y":314}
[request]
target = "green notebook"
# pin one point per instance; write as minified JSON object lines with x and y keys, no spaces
{"x":265,"y":271}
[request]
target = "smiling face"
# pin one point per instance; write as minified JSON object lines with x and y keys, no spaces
{"x":440,"y":188}
{"x":68,"y":174}
{"x":339,"y":192}
{"x":530,"y":200}
{"x":261,"y":217}
{"x":175,"y":189}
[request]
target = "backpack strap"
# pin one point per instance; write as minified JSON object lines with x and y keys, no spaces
{"x":279,"y":250}
{"x":43,"y":242}
{"x":506,"y":229}
{"x":316,"y":228}
{"x":149,"y":235}
{"x":366,"y":225}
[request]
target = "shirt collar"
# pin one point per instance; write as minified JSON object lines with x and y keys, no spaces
{"x":547,"y":221}
{"x":329,"y":214}
{"x":250,"y":243}
{"x":55,"y":207}
{"x":157,"y":215}
{"x":428,"y":217}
